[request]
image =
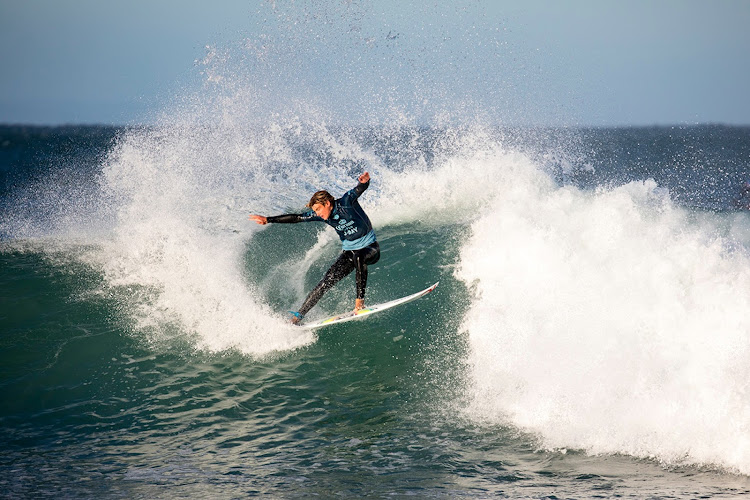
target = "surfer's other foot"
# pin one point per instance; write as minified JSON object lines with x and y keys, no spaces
{"x":359,"y":304}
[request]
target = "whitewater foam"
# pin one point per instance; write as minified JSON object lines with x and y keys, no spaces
{"x":181,"y":206}
{"x":609,"y":321}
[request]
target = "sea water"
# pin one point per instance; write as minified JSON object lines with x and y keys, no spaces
{"x":589,"y":337}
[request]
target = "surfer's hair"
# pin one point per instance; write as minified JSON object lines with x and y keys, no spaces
{"x":320,"y":197}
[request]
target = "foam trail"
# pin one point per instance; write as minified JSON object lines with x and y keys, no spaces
{"x":611,"y":321}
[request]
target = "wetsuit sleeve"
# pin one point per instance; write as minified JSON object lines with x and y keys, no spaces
{"x":360,"y":188}
{"x":356,"y":191}
{"x":293,"y":218}
{"x":285,"y":219}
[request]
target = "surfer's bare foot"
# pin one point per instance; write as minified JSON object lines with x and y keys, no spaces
{"x":359,"y":304}
{"x":296,"y":317}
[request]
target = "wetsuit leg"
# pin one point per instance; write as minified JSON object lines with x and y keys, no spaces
{"x":348,"y":261}
{"x":363,"y":257}
{"x":342,"y":267}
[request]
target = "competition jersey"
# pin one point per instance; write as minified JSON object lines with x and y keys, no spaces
{"x":347,"y":217}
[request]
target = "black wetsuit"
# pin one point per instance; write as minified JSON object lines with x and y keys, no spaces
{"x":359,"y":245}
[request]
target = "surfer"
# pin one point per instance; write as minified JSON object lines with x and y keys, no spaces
{"x":359,"y":246}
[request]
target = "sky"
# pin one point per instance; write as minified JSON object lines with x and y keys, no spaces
{"x":538,"y":62}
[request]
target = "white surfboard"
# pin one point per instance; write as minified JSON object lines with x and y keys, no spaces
{"x":351,"y":315}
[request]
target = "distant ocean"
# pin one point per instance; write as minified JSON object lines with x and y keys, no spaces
{"x":590,"y":337}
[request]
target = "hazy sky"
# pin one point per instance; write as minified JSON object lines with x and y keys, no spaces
{"x":598,"y":62}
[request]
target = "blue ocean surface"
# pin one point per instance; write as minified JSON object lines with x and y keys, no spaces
{"x":590,"y":337}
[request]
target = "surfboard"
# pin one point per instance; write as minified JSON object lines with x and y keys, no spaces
{"x":362,"y":313}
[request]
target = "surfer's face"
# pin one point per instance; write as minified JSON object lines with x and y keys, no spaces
{"x":323,"y":210}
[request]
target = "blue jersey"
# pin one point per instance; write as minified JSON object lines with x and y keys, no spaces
{"x":347,"y":217}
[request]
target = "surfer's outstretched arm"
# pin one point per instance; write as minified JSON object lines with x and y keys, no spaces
{"x":280,"y":219}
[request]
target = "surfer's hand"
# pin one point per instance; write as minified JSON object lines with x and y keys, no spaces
{"x":259,"y":219}
{"x":364,"y":178}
